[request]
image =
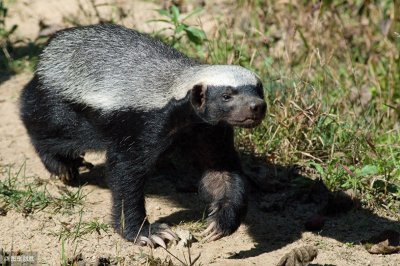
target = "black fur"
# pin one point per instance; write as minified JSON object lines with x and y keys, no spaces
{"x":62,"y":130}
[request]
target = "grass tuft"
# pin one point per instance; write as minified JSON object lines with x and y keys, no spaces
{"x":73,"y":232}
{"x":20,"y":193}
{"x":25,"y":198}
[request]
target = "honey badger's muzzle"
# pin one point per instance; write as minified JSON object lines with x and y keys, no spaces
{"x":250,"y":113}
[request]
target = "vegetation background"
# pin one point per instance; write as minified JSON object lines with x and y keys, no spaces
{"x":331,"y":71}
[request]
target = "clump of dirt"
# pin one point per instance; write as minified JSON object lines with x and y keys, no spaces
{"x":387,"y":242}
{"x":301,"y":256}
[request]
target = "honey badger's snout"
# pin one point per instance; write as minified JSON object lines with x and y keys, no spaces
{"x":252,"y":113}
{"x":249,"y":111}
{"x":258,"y":108}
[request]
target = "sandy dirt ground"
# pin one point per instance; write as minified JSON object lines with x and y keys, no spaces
{"x":263,"y":238}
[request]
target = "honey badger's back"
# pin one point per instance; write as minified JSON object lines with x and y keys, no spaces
{"x":110,"y":68}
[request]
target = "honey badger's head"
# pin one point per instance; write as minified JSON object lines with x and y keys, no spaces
{"x":229,"y":94}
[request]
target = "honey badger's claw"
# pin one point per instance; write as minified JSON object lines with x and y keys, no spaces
{"x":169,"y":231}
{"x":214,"y":235}
{"x":170,"y":235}
{"x":87,"y":165}
{"x":158,"y":240}
{"x":212,"y":212}
{"x":211,"y":233}
{"x":159,"y":235}
{"x":83,"y":164}
{"x":208,"y":229}
{"x":145,"y":241}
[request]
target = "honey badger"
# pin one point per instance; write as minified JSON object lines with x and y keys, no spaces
{"x":106,"y":87}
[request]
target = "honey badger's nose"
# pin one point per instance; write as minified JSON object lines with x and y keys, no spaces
{"x":258,"y":108}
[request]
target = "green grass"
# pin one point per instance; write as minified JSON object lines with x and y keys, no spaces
{"x":27,"y":195}
{"x":15,"y":55}
{"x":68,"y":199}
{"x":25,"y":198}
{"x":72,"y":232}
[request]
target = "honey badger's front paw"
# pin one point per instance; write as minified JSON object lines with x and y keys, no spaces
{"x":222,"y":221}
{"x":156,"y":235}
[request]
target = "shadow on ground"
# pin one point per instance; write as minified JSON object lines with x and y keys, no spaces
{"x":275,"y":218}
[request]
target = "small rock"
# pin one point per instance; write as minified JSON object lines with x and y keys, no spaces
{"x":186,"y":238}
{"x":103,"y":261}
{"x":3,"y":211}
{"x":77,"y":260}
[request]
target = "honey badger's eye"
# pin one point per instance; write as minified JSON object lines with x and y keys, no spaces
{"x":226,"y":97}
{"x":260,"y":89}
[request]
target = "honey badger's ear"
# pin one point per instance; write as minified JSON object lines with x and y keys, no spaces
{"x":198,"y":96}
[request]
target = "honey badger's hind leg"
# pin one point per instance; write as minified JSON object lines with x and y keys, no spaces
{"x":55,"y":130}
